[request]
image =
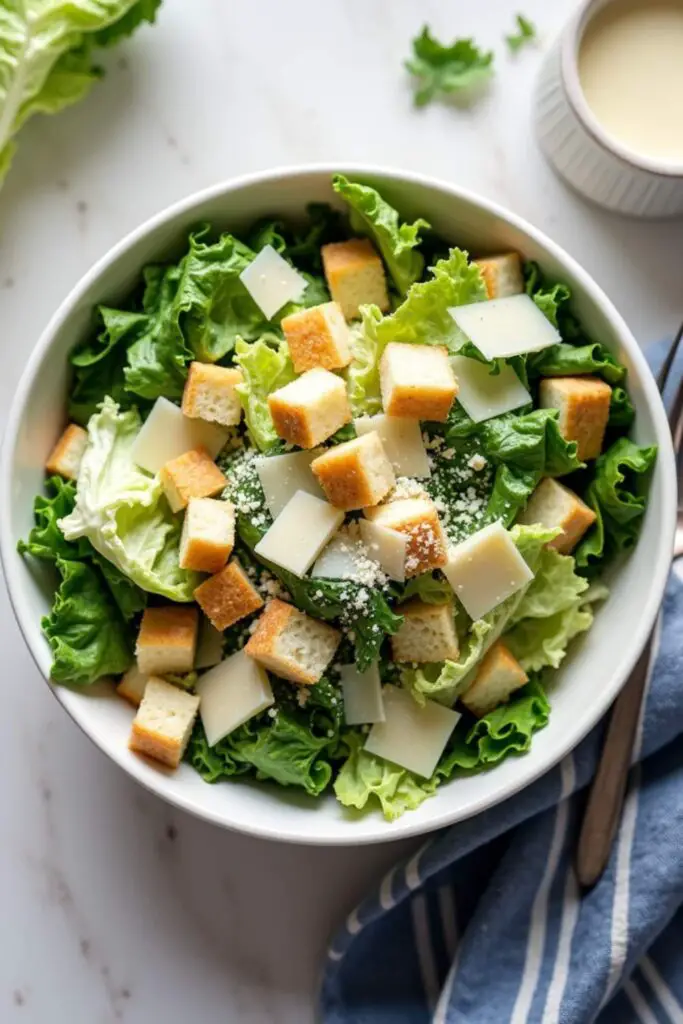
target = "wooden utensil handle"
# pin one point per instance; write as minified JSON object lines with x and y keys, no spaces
{"x":609,"y":786}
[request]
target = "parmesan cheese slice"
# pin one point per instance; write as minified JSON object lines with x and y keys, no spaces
{"x":484,"y":395}
{"x":282,"y":476}
{"x":232,"y":693}
{"x":485,"y":569}
{"x":362,"y":695}
{"x":413,"y":736}
{"x":402,"y":441}
{"x":342,"y":558}
{"x":506,"y":327}
{"x":166,"y":434}
{"x":299,"y":533}
{"x":209,"y":645}
{"x":386,"y":547}
{"x":272,"y":282}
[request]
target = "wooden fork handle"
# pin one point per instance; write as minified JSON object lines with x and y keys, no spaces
{"x":606,"y":797}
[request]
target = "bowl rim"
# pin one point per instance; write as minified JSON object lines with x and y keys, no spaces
{"x":580,"y":725}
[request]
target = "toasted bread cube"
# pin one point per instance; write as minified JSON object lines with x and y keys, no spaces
{"x":554,"y":505}
{"x":427,"y":634}
{"x":167,"y":639}
{"x":584,"y":409}
{"x":498,"y":676}
{"x":65,"y":457}
{"x":228,"y":596}
{"x":192,"y":475}
{"x":318,"y":336}
{"x":356,"y":473}
{"x":132,"y":685}
{"x":208,"y":535}
{"x":292,"y":644}
{"x":418,"y":519}
{"x":355,"y":275}
{"x":310,"y":409}
{"x":502,"y":275}
{"x":417,"y":381}
{"x":164,"y":722}
{"x":210,"y":394}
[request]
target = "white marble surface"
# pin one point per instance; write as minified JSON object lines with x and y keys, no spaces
{"x":116,"y":908}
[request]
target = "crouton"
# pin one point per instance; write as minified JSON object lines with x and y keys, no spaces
{"x":584,"y":409}
{"x":292,"y":644}
{"x":208,"y":535}
{"x":502,"y":275}
{"x":418,"y":519}
{"x":310,"y":409}
{"x":356,"y":473}
{"x":427,"y":634}
{"x":355,"y":276}
{"x":210,"y":394}
{"x":554,"y":505}
{"x":228,"y":596}
{"x":318,"y":336}
{"x":132,"y":685}
{"x":167,"y":639}
{"x":417,"y":381}
{"x":164,"y":722}
{"x":65,"y":457}
{"x":192,"y":475}
{"x":498,"y":676}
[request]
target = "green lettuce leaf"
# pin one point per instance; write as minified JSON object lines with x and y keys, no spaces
{"x":371,"y":215}
{"x":567,"y":360}
{"x":84,"y":628}
{"x":266,"y":366}
{"x":364,"y":781}
{"x":429,"y":587}
{"x":46,"y":53}
{"x":123,"y":511}
{"x":441,"y":70}
{"x":524,"y":34}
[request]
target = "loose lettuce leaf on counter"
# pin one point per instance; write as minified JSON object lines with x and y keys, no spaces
{"x":441,"y":70}
{"x":266,"y":366}
{"x":123,"y":512}
{"x":524,"y":34}
{"x":372,"y":215}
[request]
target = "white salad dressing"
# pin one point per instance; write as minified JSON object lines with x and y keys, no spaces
{"x":631,"y":73}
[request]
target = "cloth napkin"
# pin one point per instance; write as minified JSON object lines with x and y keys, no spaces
{"x":485,"y":923}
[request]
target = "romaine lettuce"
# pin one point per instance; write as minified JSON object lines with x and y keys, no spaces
{"x":266,"y":366}
{"x":441,"y":70}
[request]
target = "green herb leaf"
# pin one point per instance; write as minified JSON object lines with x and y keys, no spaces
{"x":526,"y":33}
{"x":441,"y":70}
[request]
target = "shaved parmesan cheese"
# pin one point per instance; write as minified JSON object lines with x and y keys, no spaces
{"x":166,"y":434}
{"x":282,"y":476}
{"x":341,"y":559}
{"x":362,"y":695}
{"x":411,"y":735}
{"x":209,"y":645}
{"x":387,"y":547}
{"x":299,"y":533}
{"x":232,"y":693}
{"x":272,"y":282}
{"x":506,"y":327}
{"x":483,"y":394}
{"x":486,"y":569}
{"x":402,"y":441}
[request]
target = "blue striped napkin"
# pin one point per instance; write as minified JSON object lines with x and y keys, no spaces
{"x":485,"y":924}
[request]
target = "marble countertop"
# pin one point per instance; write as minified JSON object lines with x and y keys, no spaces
{"x":115,"y":907}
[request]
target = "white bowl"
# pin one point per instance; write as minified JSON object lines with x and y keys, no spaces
{"x":591,"y":676}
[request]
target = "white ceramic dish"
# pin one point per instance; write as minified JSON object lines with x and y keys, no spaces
{"x":592,"y":675}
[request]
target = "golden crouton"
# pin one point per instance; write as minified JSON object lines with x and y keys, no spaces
{"x":554,"y":505}
{"x":427,"y":633}
{"x":584,"y":409}
{"x":164,"y":722}
{"x":502,"y":275}
{"x":192,"y":475}
{"x":499,"y":675}
{"x":356,"y":473}
{"x":355,"y":275}
{"x":310,"y":409}
{"x":210,"y":394}
{"x":132,"y":685}
{"x":292,"y":644}
{"x":417,"y":381}
{"x":167,"y":639}
{"x":208,"y":535}
{"x":228,"y":596}
{"x":418,"y":519}
{"x":318,"y":336}
{"x":65,"y":457}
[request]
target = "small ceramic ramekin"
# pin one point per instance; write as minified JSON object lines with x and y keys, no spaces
{"x":580,"y":150}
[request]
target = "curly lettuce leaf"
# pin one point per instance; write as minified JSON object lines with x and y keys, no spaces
{"x":123,"y":511}
{"x":371,"y":215}
{"x":441,"y":70}
{"x":266,"y":366}
{"x":365,"y":781}
{"x":46,"y":54}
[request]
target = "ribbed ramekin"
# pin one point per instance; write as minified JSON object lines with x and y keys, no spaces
{"x":579,"y":149}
